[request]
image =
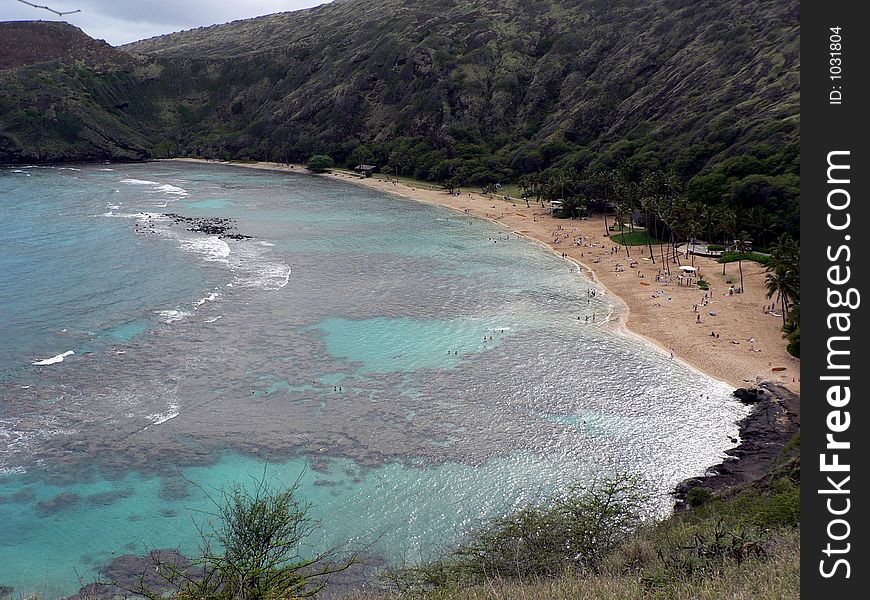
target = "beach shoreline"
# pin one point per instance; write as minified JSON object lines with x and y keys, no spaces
{"x":673,"y":315}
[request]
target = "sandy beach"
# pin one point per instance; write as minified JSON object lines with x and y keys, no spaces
{"x":728,"y":336}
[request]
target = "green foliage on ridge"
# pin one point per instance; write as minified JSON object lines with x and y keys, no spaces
{"x":484,"y":91}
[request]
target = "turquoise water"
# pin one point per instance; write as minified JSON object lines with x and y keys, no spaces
{"x":418,"y":369}
{"x":406,"y":344}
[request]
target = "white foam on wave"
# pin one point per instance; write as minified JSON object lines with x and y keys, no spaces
{"x":212,"y":247}
{"x":139,"y":182}
{"x":213,"y":319}
{"x":210,"y":298}
{"x":19,"y":437}
{"x":171,"y":189}
{"x":172,"y":316}
{"x":267,"y":276}
{"x":53,"y":359}
{"x":105,"y":169}
{"x":267,"y":244}
{"x":113,"y":206}
{"x":166,"y":188}
{"x":172,"y":411}
{"x":257,"y":269}
{"x":143,"y":217}
{"x":286,"y":269}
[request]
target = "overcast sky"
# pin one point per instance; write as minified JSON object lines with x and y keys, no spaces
{"x":122,"y":21}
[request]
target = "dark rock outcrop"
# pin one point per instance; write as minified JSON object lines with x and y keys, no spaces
{"x":764,"y":433}
{"x":223,"y":228}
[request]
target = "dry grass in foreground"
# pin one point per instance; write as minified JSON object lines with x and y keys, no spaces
{"x":776,"y":578}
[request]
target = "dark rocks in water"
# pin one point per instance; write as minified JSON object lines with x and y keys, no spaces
{"x":361,"y":576}
{"x":773,"y":422}
{"x":24,"y":495}
{"x":174,"y":488}
{"x":223,"y":228}
{"x":6,"y":591}
{"x":320,"y":465}
{"x":749,"y":395}
{"x":63,"y":501}
{"x":129,"y":569}
{"x":108,"y":498}
{"x":131,"y":572}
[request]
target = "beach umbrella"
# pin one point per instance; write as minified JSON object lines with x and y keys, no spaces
{"x":688,"y":269}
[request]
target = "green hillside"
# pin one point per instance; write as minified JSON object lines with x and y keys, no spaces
{"x":474,"y":93}
{"x":510,"y":86}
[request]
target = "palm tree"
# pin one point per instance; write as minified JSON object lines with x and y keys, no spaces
{"x":742,"y":245}
{"x":621,"y":210}
{"x":647,"y":203}
{"x":728,"y":227}
{"x":783,"y":276}
{"x":532,"y":184}
{"x":694,"y":226}
{"x":760,"y":223}
{"x":606,"y":181}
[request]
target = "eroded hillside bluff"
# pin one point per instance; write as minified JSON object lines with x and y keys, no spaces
{"x":496,"y":88}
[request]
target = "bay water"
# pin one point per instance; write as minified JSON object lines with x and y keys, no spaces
{"x":168,"y":329}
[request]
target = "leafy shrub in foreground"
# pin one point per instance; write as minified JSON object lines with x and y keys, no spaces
{"x":255,"y":551}
{"x":572,"y":532}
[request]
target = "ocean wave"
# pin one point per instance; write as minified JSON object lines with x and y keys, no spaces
{"x":139,"y":182}
{"x":256,"y":268}
{"x":171,"y":189}
{"x":172,"y":411}
{"x":172,"y":316}
{"x":210,"y":298}
{"x":212,"y":247}
{"x":18,"y":437}
{"x":213,"y":319}
{"x":143,"y":217}
{"x":53,"y":359}
{"x":266,"y":276}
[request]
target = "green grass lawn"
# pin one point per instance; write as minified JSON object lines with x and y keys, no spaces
{"x":634,"y":238}
{"x":728,"y":257}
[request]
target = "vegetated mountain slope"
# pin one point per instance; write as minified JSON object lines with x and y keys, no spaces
{"x":69,"y":97}
{"x":687,"y":80}
{"x":27,"y":42}
{"x":487,"y":89}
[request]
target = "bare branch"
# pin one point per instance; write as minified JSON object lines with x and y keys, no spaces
{"x":59,"y":13}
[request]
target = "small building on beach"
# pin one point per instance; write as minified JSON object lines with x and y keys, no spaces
{"x":366,"y":170}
